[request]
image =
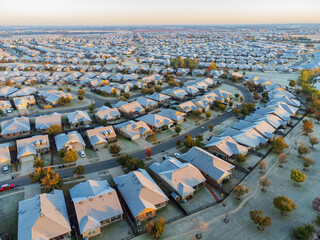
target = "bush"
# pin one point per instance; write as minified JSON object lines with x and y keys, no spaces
{"x":114,"y":149}
{"x":80,"y":97}
{"x":224,"y":181}
{"x":303,"y":232}
{"x":79,"y":170}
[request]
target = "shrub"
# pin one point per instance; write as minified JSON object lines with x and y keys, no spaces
{"x":303,"y":232}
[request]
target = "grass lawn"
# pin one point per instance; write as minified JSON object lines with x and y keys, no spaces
{"x":91,"y":153}
{"x":8,"y":213}
{"x":201,"y":198}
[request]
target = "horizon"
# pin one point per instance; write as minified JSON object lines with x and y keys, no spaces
{"x":140,"y":12}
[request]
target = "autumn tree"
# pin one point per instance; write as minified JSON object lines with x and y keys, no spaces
{"x":70,"y":155}
{"x":159,"y":228}
{"x":313,"y":141}
{"x":81,"y":92}
{"x":292,"y":83}
{"x":262,"y":166}
{"x":239,"y":191}
{"x":278,"y":145}
{"x":308,"y":162}
{"x":282,"y":159}
{"x":303,"y":150}
{"x":236,"y":111}
{"x":284,"y":204}
{"x":37,"y":174}
{"x":148,"y":152}
{"x":79,"y":170}
{"x":64,"y":100}
{"x":149,"y":227}
{"x":51,"y":180}
{"x":264,"y":182}
{"x":54,"y":129}
{"x":210,"y":126}
{"x":297,"y":176}
{"x":307,"y":127}
{"x":38,"y":163}
{"x":208,"y":114}
{"x":133,"y":164}
{"x":258,"y":219}
{"x":114,"y":149}
{"x":188,"y":142}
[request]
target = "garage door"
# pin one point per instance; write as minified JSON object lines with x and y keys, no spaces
{"x":27,"y":158}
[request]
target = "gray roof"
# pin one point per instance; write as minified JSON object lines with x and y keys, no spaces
{"x":78,"y":116}
{"x":63,"y":139}
{"x":15,"y":125}
{"x":227,"y":145}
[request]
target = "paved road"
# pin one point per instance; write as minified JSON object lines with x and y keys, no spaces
{"x":110,"y":163}
{"x":303,"y":60}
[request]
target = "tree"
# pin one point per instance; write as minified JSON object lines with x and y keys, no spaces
{"x":316,"y":204}
{"x":208,"y":114}
{"x":264,"y":182}
{"x":177,"y":129}
{"x":292,"y":83}
{"x":188,"y":142}
{"x":284,"y":204}
{"x":68,"y":89}
{"x":114,"y":149}
{"x":81,"y":92}
{"x":307,"y":162}
{"x":79,"y":170}
{"x":159,"y":228}
{"x":91,"y":107}
{"x":133,"y":164}
{"x":278,"y":145}
{"x":282,"y":159}
{"x":297,"y":176}
{"x":38,"y":163}
{"x":158,"y":89}
{"x":237,"y":95}
{"x":303,"y":150}
{"x":178,"y":142}
{"x":303,"y":232}
{"x":80,"y":97}
{"x":64,"y":100}
{"x":307,"y":127}
{"x":148,"y":152}
{"x":70,"y":156}
{"x":51,"y":180}
{"x":126,"y":95}
{"x":241,"y":158}
{"x":257,"y":218}
{"x":239,"y":191}
{"x":210,"y":126}
{"x":236,"y":111}
{"x":262,"y":166}
{"x":313,"y":141}
{"x":149,"y":227}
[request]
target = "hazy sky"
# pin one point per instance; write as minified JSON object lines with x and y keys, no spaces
{"x":114,"y":12}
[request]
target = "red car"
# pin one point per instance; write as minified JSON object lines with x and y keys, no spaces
{"x":6,"y":187}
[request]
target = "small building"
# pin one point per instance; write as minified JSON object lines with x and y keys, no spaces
{"x":99,"y":137}
{"x":176,"y":116}
{"x":141,"y":194}
{"x":28,"y":148}
{"x":78,"y":119}
{"x":15,"y":127}
{"x":132,"y":109}
{"x":44,"y":216}
{"x":24,"y":102}
{"x":147,"y":103}
{"x":108,"y":114}
{"x":70,"y":140}
{"x":5,"y":158}
{"x":44,"y":122}
{"x":134,"y":130}
{"x":96,"y":205}
{"x":156,"y":122}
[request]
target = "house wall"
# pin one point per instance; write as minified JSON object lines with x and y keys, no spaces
{"x":92,"y":233}
{"x":100,"y":146}
{"x":11,"y":135}
{"x":146,"y":214}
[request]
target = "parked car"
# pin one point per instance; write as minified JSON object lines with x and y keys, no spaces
{"x":9,"y":110}
{"x":229,"y":110}
{"x":177,"y":155}
{"x":82,"y":154}
{"x":5,"y":169}
{"x":6,"y":187}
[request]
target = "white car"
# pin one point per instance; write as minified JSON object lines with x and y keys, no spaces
{"x":177,"y":155}
{"x":82,"y":154}
{"x":9,"y":110}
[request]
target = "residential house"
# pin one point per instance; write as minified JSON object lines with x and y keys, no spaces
{"x":15,"y":127}
{"x":52,"y":96}
{"x":147,"y":103}
{"x":191,"y":90}
{"x":29,"y":148}
{"x":24,"y":102}
{"x":134,"y":130}
{"x":213,"y":168}
{"x":5,"y":105}
{"x":70,"y":140}
{"x":177,"y":116}
{"x":5,"y":158}
{"x":181,"y":178}
{"x":108,"y":114}
{"x":188,"y":107}
{"x":45,"y":121}
{"x":131,"y":109}
{"x":96,"y":205}
{"x":176,"y":93}
{"x":225,"y":147}
{"x":26,"y":91}
{"x":156,"y":122}
{"x":6,"y":91}
{"x":78,"y":119}
{"x":141,"y":194}
{"x":44,"y":216}
{"x":159,"y":97}
{"x":99,"y":137}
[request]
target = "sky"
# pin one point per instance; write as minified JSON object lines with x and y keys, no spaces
{"x":157,"y":12}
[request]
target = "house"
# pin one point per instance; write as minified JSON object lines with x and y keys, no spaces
{"x":109,"y":90}
{"x":5,"y":105}
{"x":188,"y":107}
{"x":44,"y":122}
{"x":156,"y":122}
{"x":248,"y":137}
{"x":213,"y":168}
{"x":5,"y":158}
{"x":273,"y":120}
{"x":203,"y":103}
{"x":108,"y":114}
{"x":191,"y":90}
{"x":176,"y":93}
{"x":131,"y":109}
{"x":6,"y":91}
{"x":159,"y":97}
{"x":262,"y":127}
{"x":225,"y":147}
{"x":24,"y":102}
{"x":147,"y":103}
{"x":96,"y":205}
{"x":52,"y":96}
{"x":181,"y":178}
{"x":223,"y":94}
{"x":70,"y":140}
{"x":99,"y":137}
{"x":141,"y":194}
{"x":176,"y":116}
{"x":134,"y":130}
{"x":29,"y":148}
{"x":78,"y":119}
{"x":15,"y":127}
{"x":44,"y":216}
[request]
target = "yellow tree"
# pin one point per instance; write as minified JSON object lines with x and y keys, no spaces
{"x":55,"y":129}
{"x":70,"y":156}
{"x":297,"y":177}
{"x":51,"y":180}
